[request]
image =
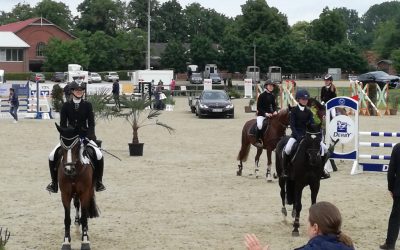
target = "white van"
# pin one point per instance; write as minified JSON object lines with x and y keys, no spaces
{"x":253,"y":72}
{"x":210,"y":69}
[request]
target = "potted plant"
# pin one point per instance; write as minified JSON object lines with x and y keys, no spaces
{"x":251,"y":107}
{"x":138,"y":114}
{"x":169,"y":101}
{"x":99,"y":102}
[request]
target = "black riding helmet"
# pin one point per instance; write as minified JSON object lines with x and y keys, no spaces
{"x":269,"y":82}
{"x":302,"y":94}
{"x":77,"y":85}
{"x":328,"y":77}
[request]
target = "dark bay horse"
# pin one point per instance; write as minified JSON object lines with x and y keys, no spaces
{"x":75,"y":175}
{"x":275,"y":131}
{"x":304,"y":169}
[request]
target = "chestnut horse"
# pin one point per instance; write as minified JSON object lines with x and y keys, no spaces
{"x":75,"y":175}
{"x":275,"y":131}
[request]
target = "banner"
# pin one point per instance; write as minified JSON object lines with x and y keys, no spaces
{"x":248,"y":88}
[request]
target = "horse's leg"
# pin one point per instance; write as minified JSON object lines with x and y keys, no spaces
{"x":240,"y":166}
{"x":85,"y":244}
{"x":314,"y":188}
{"x":77,"y":207}
{"x":66,"y":245}
{"x":257,"y":161}
{"x":297,"y":208}
{"x":268,"y":175}
{"x":282,"y":185}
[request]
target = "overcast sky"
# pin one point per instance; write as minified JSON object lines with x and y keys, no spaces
{"x":295,"y":10}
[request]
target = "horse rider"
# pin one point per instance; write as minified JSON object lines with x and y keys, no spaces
{"x":300,"y":116}
{"x":78,"y":113}
{"x":266,"y":108}
{"x":328,"y":92}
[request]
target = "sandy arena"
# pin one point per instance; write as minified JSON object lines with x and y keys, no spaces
{"x":183,"y":193}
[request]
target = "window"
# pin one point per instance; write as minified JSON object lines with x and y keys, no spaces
{"x":39,"y":48}
{"x":11,"y":55}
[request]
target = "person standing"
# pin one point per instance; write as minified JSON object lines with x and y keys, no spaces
{"x":115,"y":92}
{"x":393,"y":179}
{"x":266,"y":108}
{"x":14,"y":104}
{"x":172,"y":86}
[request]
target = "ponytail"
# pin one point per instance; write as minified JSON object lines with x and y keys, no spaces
{"x":345,"y":239}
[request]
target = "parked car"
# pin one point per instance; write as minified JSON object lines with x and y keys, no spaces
{"x":37,"y":77}
{"x":196,"y":78}
{"x":94,"y":77}
{"x":214,"y":103}
{"x":111,"y":77}
{"x":215,"y":78}
{"x":380,"y":77}
{"x":58,"y":77}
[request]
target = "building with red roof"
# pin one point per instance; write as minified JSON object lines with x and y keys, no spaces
{"x":36,"y":32}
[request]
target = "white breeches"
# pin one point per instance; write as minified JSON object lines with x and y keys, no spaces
{"x":260,"y":120}
{"x":99,"y":155}
{"x":289,"y":146}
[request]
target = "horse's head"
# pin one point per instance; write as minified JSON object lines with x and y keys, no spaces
{"x":283,"y":116}
{"x":70,"y":145}
{"x":313,"y":103}
{"x":312,"y":143}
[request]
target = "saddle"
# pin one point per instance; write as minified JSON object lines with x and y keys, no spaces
{"x":264,"y":128}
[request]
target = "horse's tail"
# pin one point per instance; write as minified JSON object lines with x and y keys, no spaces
{"x":93,"y":209}
{"x":245,"y":148}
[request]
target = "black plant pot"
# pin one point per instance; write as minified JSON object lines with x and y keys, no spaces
{"x":98,"y":142}
{"x":135,"y":149}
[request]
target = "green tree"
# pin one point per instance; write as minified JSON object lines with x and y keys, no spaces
{"x":174,"y":56}
{"x":352,"y":22}
{"x":131,"y":48}
{"x":100,"y":15}
{"x":330,"y":28}
{"x":61,"y":53}
{"x":234,"y":55}
{"x":346,"y":57}
{"x":395,"y":57}
{"x":202,"y":52}
{"x":20,"y":12}
{"x":171,"y":17}
{"x":386,"y":38}
{"x":56,"y":12}
{"x":313,"y":57}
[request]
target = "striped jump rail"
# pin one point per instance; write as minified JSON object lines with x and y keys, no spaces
{"x":377,"y":167}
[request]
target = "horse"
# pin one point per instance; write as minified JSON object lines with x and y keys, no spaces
{"x":75,"y":175}
{"x":304,"y":169}
{"x":271,"y":136}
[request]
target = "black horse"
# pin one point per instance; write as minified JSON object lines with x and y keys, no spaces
{"x":304,"y":168}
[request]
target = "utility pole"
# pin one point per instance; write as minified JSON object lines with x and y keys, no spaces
{"x":148,"y":37}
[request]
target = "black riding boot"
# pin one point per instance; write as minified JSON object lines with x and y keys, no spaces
{"x":285,"y":162}
{"x":53,"y":186}
{"x":99,"y":175}
{"x":258,"y":142}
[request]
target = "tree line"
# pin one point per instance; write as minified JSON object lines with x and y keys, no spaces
{"x":112,"y":35}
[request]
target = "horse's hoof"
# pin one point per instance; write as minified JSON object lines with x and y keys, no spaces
{"x":238,"y":173}
{"x":275,"y":176}
{"x":66,"y":247}
{"x":85,"y":246}
{"x":295,"y":234}
{"x":284,"y":211}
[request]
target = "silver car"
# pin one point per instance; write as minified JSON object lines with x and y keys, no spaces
{"x":111,"y":76}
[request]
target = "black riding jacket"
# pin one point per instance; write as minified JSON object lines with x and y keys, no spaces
{"x":299,"y":120}
{"x":266,"y":103}
{"x":80,"y":116}
{"x":327,"y":94}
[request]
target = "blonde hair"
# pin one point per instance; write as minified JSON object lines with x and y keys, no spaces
{"x":329,"y":220}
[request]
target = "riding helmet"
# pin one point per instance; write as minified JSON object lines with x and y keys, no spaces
{"x":302,"y":94}
{"x":77,"y":85}
{"x":328,"y":77}
{"x":269,"y":82}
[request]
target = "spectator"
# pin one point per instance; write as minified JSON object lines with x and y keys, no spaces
{"x":172,"y":86}
{"x":115,"y":92}
{"x":324,"y":230}
{"x":14,"y":104}
{"x":393,"y":179}
{"x":67,"y":92}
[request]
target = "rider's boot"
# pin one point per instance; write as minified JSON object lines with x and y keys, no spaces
{"x":53,"y":186}
{"x":99,"y":175}
{"x":258,"y":142}
{"x":285,"y":162}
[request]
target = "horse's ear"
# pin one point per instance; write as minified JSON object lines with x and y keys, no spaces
{"x":58,"y":127}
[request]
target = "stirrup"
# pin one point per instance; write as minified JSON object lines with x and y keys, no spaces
{"x":52,"y":187}
{"x":100,"y":187}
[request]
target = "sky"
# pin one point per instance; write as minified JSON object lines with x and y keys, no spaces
{"x":295,"y":10}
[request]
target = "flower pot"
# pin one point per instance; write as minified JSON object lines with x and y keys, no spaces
{"x":169,"y":107}
{"x":135,"y":149}
{"x":393,"y":111}
{"x":247,"y":109}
